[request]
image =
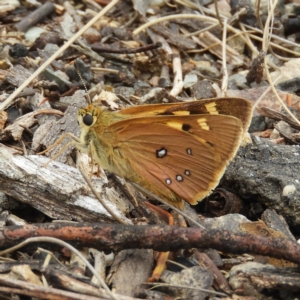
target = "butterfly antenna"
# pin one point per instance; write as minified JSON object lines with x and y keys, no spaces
{"x":82,"y":81}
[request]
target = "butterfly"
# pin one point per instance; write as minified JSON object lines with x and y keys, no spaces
{"x":177,"y":151}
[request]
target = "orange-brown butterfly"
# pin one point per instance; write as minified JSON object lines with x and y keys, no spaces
{"x":177,"y":151}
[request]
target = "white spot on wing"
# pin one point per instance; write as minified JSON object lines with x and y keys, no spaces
{"x":179,"y":178}
{"x":161,"y":153}
{"x":168,"y":181}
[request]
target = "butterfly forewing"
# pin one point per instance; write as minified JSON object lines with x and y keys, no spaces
{"x":237,"y":107}
{"x":177,"y":157}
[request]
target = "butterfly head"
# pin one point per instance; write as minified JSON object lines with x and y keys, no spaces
{"x":88,"y":116}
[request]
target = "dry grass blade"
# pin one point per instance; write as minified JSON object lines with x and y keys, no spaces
{"x":225,"y":73}
{"x":273,"y":114}
{"x":274,"y":37}
{"x":265,"y":46}
{"x":62,"y":244}
{"x":178,"y":82}
{"x":176,"y":286}
{"x":173,"y":17}
{"x":7,"y":102}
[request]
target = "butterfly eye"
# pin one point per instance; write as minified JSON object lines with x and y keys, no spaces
{"x":88,"y":120}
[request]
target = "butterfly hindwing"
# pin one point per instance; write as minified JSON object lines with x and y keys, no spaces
{"x":180,"y":157}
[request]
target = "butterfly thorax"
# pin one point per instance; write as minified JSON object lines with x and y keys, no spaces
{"x":97,"y":139}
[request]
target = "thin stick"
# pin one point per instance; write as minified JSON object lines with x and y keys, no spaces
{"x":177,"y":70}
{"x":268,"y":26}
{"x":201,"y":30}
{"x":47,"y":239}
{"x":275,"y":37}
{"x":225,"y":73}
{"x":254,"y":50}
{"x":276,"y":94}
{"x":185,"y":16}
{"x":105,"y":70}
{"x":172,"y":17}
{"x":6,"y":103}
{"x":98,"y":48}
{"x":231,"y":20}
{"x":217,"y":13}
{"x":266,"y":45}
{"x":188,"y":287}
{"x":276,"y":45}
{"x":215,"y":44}
{"x":257,"y":7}
{"x":265,"y":93}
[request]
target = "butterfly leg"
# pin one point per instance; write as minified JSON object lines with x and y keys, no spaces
{"x":132,"y":198}
{"x":57,"y":142}
{"x":88,"y":181}
{"x":91,"y":149}
{"x":144,"y":191}
{"x":163,"y":256}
